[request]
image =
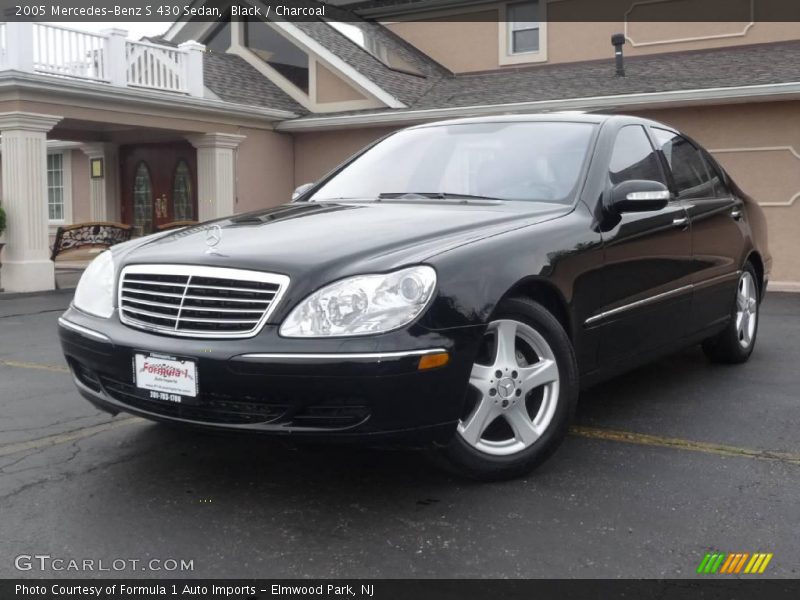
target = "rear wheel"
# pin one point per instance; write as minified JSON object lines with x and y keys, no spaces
{"x":736,"y":342}
{"x":521,"y":396}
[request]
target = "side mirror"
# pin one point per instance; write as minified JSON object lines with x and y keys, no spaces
{"x":639,"y":195}
{"x":301,"y":189}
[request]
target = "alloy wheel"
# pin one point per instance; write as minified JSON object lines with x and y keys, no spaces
{"x":746,"y":309}
{"x":515,"y":387}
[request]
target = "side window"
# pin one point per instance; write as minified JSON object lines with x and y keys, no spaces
{"x":634,"y":157}
{"x":720,"y":189}
{"x":687,"y":164}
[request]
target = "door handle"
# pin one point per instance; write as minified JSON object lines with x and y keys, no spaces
{"x":681,"y":222}
{"x":736,"y":214}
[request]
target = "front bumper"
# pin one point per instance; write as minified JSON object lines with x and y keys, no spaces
{"x":367,"y":388}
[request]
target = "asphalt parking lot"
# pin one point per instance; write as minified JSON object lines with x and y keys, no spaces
{"x":669,"y":462}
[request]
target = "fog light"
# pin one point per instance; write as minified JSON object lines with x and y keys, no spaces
{"x":431,"y":361}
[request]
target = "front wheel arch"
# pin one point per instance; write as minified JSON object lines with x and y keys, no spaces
{"x":545,"y":293}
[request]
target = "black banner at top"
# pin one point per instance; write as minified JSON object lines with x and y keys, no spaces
{"x":744,"y":12}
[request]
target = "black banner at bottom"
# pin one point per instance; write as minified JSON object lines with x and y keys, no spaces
{"x":397,"y":589}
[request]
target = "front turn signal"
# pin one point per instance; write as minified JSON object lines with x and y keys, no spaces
{"x":432,"y":361}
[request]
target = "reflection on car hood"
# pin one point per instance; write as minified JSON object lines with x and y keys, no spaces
{"x":346,"y":237}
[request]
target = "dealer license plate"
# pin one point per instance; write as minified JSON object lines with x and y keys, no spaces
{"x":165,"y":377}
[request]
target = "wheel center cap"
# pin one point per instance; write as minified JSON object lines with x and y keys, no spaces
{"x":506,"y":387}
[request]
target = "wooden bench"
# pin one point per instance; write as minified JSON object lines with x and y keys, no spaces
{"x":70,"y":239}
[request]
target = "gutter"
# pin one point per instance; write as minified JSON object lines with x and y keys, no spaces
{"x":777,"y":91}
{"x":20,"y":80}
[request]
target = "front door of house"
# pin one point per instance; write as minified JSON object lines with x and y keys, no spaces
{"x":159,"y":185}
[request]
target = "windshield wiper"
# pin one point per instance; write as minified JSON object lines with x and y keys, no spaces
{"x":433,"y":195}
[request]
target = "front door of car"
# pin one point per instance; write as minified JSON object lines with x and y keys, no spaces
{"x":646,"y":296}
{"x":715,"y":214}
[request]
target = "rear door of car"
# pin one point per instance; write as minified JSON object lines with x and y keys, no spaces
{"x":716,"y":215}
{"x":646,"y":266}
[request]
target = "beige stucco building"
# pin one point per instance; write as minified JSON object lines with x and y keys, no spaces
{"x":217,"y":118}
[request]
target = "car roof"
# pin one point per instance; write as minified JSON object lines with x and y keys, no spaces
{"x":566,"y":116}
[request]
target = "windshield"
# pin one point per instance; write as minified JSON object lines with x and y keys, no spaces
{"x":536,"y":161}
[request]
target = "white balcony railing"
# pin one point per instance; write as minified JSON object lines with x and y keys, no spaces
{"x":68,"y":52}
{"x":108,"y":57}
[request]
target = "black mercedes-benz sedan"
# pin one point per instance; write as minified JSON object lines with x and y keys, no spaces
{"x":451,"y":287}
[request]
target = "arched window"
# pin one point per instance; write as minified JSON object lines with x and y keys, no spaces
{"x":182,"y":193}
{"x":142,"y":200}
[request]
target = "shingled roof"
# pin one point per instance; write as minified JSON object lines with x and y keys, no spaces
{"x":699,"y":69}
{"x":433,"y":86}
{"x":233,"y":79}
{"x":406,"y":87}
{"x":692,"y":70}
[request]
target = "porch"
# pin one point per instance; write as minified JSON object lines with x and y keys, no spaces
{"x":101,"y":128}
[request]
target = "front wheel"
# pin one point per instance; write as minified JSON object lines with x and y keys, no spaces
{"x":521,"y":395}
{"x":736,"y":342}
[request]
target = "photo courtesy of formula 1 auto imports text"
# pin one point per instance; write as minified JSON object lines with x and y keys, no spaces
{"x":399,"y":299}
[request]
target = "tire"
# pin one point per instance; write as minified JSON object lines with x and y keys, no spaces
{"x":497,"y":438}
{"x":735,"y":343}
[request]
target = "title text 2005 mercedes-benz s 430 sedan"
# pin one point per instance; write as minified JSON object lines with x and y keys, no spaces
{"x":451,"y":286}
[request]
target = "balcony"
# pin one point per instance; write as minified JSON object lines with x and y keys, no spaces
{"x":108,"y":58}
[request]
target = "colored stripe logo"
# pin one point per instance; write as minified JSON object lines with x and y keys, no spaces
{"x":734,"y":563}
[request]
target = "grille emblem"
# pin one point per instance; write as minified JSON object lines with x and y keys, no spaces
{"x":213,"y":237}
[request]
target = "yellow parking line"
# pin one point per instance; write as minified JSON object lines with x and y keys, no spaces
{"x":70,"y":436}
{"x":29,"y":365}
{"x":643,"y":439}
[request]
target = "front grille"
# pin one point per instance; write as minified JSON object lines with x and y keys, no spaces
{"x":195,"y":301}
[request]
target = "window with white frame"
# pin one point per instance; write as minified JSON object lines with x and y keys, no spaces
{"x":56,"y":209}
{"x":524,"y":27}
{"x":59,"y":184}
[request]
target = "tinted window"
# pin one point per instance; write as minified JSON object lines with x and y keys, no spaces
{"x":687,"y":164}
{"x":633,"y":157}
{"x":720,"y":188}
{"x":512,"y":161}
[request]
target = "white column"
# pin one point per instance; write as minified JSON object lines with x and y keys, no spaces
{"x":216,"y":173}
{"x":23,"y":141}
{"x":194,"y":67}
{"x":116,"y":63}
{"x":102,"y":190}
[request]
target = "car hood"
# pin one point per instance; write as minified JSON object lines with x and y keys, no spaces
{"x":307,"y":239}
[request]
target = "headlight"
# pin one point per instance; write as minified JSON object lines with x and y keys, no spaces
{"x":363,"y":305}
{"x":95,"y":291}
